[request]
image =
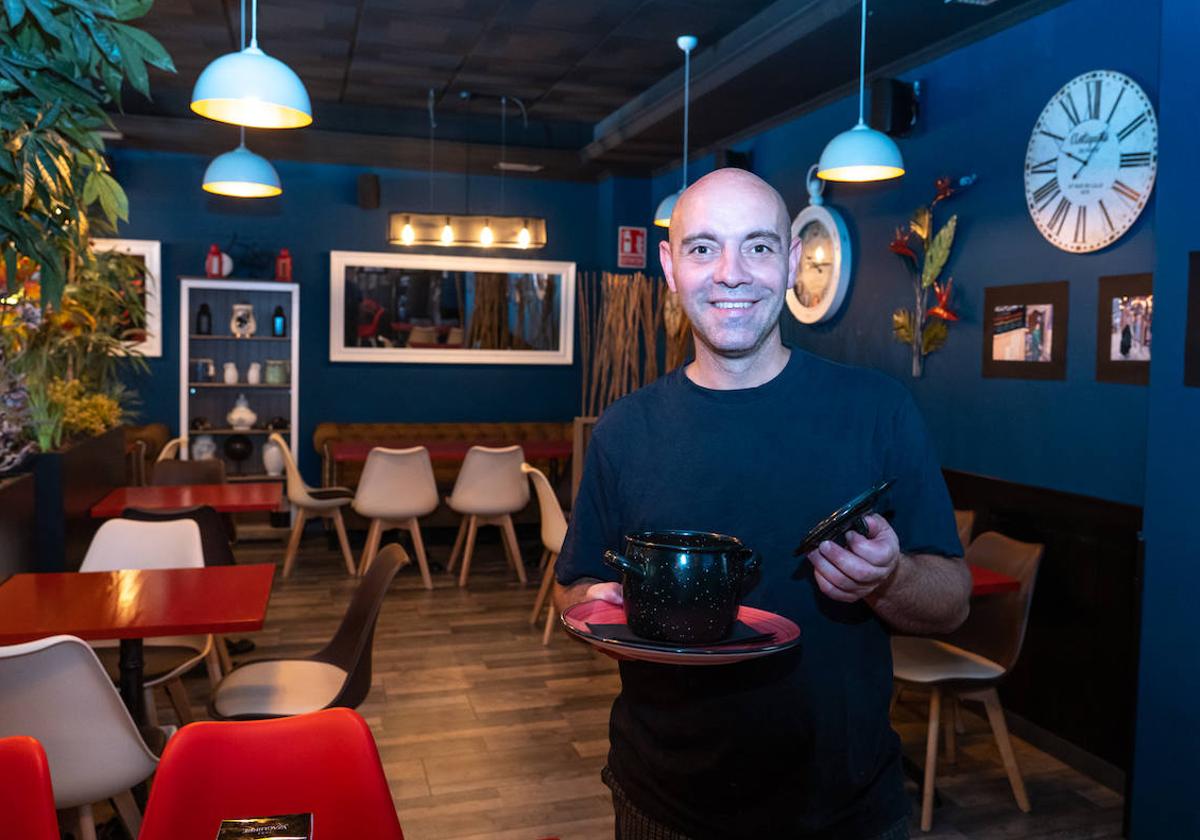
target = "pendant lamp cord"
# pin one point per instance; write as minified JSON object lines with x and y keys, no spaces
{"x":862,"y":61}
{"x":432,"y":126}
{"x":242,"y":46}
{"x":503,"y":146}
{"x":254,"y":23}
{"x":687,"y":90}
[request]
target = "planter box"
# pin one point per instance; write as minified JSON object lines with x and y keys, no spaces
{"x":67,"y":484}
{"x":18,"y":551}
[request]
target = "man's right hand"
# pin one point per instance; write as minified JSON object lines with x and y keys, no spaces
{"x":587,"y":589}
{"x":610,"y":592}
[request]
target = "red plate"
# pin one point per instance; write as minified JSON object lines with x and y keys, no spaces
{"x":785,"y":635}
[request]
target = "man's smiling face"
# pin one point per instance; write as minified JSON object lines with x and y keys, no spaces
{"x":731,"y":259}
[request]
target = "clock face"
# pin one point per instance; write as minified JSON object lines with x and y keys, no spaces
{"x":824,"y":272}
{"x":1091,"y":161}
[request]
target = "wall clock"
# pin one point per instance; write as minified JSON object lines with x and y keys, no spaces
{"x":1091,"y":161}
{"x":824,"y":273}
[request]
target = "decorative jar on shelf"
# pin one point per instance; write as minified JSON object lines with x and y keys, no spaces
{"x":204,"y":448}
{"x":241,"y":416}
{"x":231,"y":373}
{"x":254,"y":374}
{"x":241,"y":320}
{"x":278,"y":372}
{"x":203,"y":370}
{"x":272,"y":458}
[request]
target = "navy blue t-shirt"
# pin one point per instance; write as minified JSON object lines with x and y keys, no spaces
{"x":796,"y":744}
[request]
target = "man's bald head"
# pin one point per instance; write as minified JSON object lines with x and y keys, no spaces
{"x":725,"y":186}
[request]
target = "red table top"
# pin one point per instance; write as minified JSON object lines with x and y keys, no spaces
{"x":986,"y":582}
{"x":136,"y":603}
{"x":225,"y":498}
{"x":447,"y":450}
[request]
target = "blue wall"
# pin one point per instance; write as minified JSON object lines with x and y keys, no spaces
{"x":977,"y":109}
{"x":1167,"y":758}
{"x":318,"y":213}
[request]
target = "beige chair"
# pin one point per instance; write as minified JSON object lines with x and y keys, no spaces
{"x":964,"y":521}
{"x":175,"y":544}
{"x":170,"y":450}
{"x":422,"y":336}
{"x":55,"y":690}
{"x":969,"y":663}
{"x":396,"y":487}
{"x":554,"y":530}
{"x":489,"y":489}
{"x":324,"y":502}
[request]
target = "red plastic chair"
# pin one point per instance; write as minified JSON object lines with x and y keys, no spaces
{"x":26,"y":797}
{"x":324,"y":763}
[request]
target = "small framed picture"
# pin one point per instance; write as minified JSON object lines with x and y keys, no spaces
{"x":148,"y":339}
{"x":1025,"y":331}
{"x":1124,"y":317}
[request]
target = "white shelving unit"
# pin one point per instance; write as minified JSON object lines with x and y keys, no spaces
{"x":213,"y":400}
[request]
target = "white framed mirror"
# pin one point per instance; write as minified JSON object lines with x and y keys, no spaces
{"x":429,"y":308}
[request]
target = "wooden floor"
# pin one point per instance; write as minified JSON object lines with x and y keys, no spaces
{"x":485,"y":733}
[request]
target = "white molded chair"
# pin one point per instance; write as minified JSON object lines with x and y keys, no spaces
{"x":396,"y":487}
{"x":969,"y":663}
{"x":488,"y":490}
{"x":174,"y":544}
{"x":55,"y":690}
{"x":170,"y":450}
{"x":313,"y":501}
{"x":964,"y":522}
{"x":554,"y":530}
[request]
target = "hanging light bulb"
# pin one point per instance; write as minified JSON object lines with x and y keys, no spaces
{"x":242,"y":174}
{"x":486,"y":237}
{"x":662,"y":216}
{"x":407,"y":234}
{"x":251,"y":88}
{"x":862,"y":153}
{"x":447,"y":233}
{"x":524,"y":237}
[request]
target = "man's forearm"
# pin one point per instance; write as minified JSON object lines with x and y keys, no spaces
{"x":927,"y":594}
{"x":568,"y":596}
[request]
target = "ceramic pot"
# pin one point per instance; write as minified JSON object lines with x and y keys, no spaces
{"x":684,"y":586}
{"x":241,"y":416}
{"x":204,"y":448}
{"x":230,"y":373}
{"x":272,"y":458}
{"x":254,"y":374}
{"x":278,"y":372}
{"x":241,"y":321}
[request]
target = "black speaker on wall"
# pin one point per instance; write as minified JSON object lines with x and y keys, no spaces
{"x":368,"y":191}
{"x":894,"y":106}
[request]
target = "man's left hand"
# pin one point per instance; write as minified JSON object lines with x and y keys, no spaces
{"x":852,"y":573}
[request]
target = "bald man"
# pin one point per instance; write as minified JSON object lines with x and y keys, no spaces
{"x":760,"y":441}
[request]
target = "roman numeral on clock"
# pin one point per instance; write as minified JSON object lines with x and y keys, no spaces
{"x":1117,"y":102}
{"x":1131,"y":159}
{"x":1059,"y":217}
{"x":1050,"y":135}
{"x":1127,"y":192}
{"x":1133,"y":126}
{"x":1044,"y":194}
{"x":1045,"y":167}
{"x":1093,"y":98}
{"x":1107,"y":218}
{"x":1081,"y":223}
{"x":1068,"y":106}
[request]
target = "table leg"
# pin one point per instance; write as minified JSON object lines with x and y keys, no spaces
{"x":131,"y":679}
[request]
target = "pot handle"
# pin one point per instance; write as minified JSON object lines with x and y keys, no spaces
{"x":622,"y":564}
{"x":751,"y":569}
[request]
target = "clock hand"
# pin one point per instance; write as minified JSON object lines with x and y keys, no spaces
{"x":1073,"y":157}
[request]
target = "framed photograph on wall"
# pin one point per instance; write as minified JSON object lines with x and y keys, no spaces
{"x":1124,"y":314}
{"x":1191,"y":339}
{"x":149,"y":252}
{"x":1025,"y":331}
{"x":434,"y":309}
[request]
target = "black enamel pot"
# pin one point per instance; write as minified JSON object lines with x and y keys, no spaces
{"x":684,"y":586}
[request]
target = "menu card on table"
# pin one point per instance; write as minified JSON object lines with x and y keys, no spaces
{"x":280,"y":827}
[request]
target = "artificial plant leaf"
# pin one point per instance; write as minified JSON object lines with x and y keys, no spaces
{"x":937,"y":252}
{"x":152,"y":51}
{"x":921,"y":222}
{"x":15,"y":9}
{"x":934,"y":335}
{"x":10,"y":268}
{"x":130,"y":9}
{"x":105,"y":40}
{"x":902,"y":326}
{"x":131,"y":60}
{"x":48,"y":22}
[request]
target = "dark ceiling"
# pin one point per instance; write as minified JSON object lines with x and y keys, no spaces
{"x":601,"y":80}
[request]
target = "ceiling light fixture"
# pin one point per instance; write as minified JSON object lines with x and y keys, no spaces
{"x":862,"y":153}
{"x":416,"y":229}
{"x":251,"y":88}
{"x":242,"y":174}
{"x":447,"y":235}
{"x":662,"y":216}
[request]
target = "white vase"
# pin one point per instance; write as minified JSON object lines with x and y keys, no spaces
{"x":231,"y":373}
{"x":241,"y":416}
{"x":204,"y":448}
{"x":254,"y":373}
{"x":272,"y":458}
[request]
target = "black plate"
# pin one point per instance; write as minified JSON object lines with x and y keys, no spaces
{"x":848,"y":516}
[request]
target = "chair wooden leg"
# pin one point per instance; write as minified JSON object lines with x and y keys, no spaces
{"x":293,"y":545}
{"x":414,"y":529}
{"x":510,"y":537}
{"x":218,"y":662}
{"x":458,"y":544}
{"x":542,"y":560}
{"x":931,"y":751}
{"x":468,"y":548}
{"x":340,"y":525}
{"x":151,"y":707}
{"x":951,"y":728}
{"x":374,"y":533}
{"x":127,"y":810}
{"x":179,"y":701}
{"x":86,"y":823}
{"x":547,"y":579}
{"x":995,"y":713}
{"x":550,"y":615}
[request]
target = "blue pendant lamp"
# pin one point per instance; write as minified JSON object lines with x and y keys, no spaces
{"x":242,"y":174}
{"x":862,"y":153}
{"x":252,"y":89}
{"x":662,"y":216}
